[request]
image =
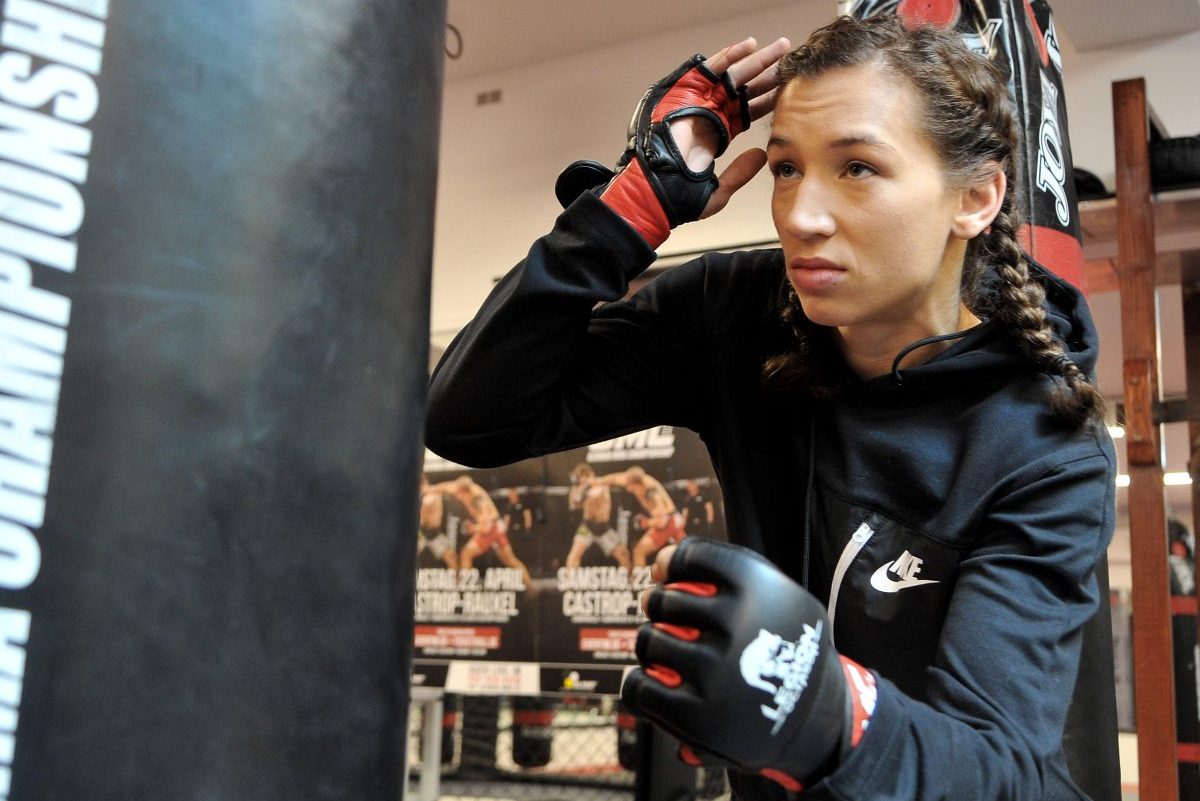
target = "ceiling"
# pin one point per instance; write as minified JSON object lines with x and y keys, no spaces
{"x":502,"y":34}
{"x":1096,"y":24}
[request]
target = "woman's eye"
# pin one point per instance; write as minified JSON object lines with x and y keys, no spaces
{"x":856,"y":169}
{"x":785,"y":170}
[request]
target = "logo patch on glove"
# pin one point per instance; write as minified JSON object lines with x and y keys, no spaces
{"x":781,"y":668}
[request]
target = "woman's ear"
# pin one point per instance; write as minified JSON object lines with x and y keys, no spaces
{"x":979,"y":204}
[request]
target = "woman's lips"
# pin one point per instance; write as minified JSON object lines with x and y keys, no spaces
{"x":814,"y":275}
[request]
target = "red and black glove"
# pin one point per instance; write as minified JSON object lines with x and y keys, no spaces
{"x":653,"y":188}
{"x":737,"y":663}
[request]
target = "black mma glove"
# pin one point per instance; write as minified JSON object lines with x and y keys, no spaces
{"x":738,"y":664}
{"x":653,"y":189}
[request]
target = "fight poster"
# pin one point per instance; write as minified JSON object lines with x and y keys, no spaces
{"x":610,"y":508}
{"x":1020,"y":35}
{"x":478,"y":554}
{"x":529,"y":575}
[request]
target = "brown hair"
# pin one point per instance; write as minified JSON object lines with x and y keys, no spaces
{"x":968,"y":116}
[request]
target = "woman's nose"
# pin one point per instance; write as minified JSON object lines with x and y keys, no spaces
{"x":803,"y":211}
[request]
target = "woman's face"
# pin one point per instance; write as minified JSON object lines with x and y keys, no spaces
{"x":863,"y":211}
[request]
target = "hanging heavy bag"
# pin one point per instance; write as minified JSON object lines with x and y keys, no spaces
{"x":532,"y":731}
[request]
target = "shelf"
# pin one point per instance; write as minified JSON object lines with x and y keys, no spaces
{"x":1176,"y":238}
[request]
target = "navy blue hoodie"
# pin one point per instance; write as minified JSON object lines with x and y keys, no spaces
{"x":951,"y":525}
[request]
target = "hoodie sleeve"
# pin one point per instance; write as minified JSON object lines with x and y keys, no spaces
{"x":538,"y":370}
{"x":998,"y":692}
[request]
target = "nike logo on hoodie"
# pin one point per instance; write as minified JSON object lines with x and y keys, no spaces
{"x":906,"y":568}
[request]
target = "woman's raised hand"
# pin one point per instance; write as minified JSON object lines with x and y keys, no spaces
{"x":751,"y":67}
{"x":748,"y":66}
{"x":683,"y":123}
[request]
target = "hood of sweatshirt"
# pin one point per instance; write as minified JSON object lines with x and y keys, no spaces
{"x":989,"y":349}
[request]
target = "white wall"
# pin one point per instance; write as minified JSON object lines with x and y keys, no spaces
{"x":498,"y":162}
{"x":1170,"y":67}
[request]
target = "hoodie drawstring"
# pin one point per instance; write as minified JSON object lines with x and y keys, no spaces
{"x":808,"y":495}
{"x":897,"y":376}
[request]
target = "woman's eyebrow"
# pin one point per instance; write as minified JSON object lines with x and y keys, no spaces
{"x":853,"y":140}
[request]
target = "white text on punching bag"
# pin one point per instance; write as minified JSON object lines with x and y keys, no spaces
{"x":44,"y":149}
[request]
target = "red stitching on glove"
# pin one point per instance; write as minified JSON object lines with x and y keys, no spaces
{"x":779,"y":777}
{"x":688,"y":757}
{"x":681,"y":632}
{"x":631,"y":196}
{"x":664,"y":675}
{"x":701,"y":588}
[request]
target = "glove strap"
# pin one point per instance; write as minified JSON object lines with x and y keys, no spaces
{"x":631,"y":196}
{"x":860,"y":684}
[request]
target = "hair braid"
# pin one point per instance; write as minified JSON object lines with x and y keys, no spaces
{"x":1019,"y":303}
{"x":804,"y":365}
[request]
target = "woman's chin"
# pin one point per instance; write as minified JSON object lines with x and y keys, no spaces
{"x":824,"y":313}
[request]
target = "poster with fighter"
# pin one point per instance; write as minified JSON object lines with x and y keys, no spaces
{"x":478,"y":563}
{"x":1020,"y":35}
{"x":528,"y":575}
{"x":610,"y":508}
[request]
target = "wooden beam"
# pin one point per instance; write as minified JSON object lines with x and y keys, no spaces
{"x":1176,"y":239}
{"x":1170,"y":410}
{"x":1153,"y":673}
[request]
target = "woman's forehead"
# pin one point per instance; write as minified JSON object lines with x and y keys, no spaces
{"x":848,"y":105}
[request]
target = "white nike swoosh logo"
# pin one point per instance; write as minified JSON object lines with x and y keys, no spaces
{"x":881,"y":582}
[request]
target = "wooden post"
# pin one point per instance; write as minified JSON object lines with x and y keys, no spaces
{"x":1153,"y":673}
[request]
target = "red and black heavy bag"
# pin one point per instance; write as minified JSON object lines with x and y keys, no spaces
{"x":1020,"y":34}
{"x":532,"y":731}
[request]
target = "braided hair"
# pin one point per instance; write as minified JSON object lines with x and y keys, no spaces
{"x":969,"y":117}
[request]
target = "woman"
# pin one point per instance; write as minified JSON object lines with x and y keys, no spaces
{"x":901,"y":421}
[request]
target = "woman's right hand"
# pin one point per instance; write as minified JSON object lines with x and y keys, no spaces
{"x":683,"y":123}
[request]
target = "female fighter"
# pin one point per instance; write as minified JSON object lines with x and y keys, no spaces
{"x":896,"y":403}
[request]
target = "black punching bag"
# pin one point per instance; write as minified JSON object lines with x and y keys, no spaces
{"x":215,"y":244}
{"x":532,"y":731}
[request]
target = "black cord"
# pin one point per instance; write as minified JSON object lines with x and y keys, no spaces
{"x":457,"y":52}
{"x":808,"y":496}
